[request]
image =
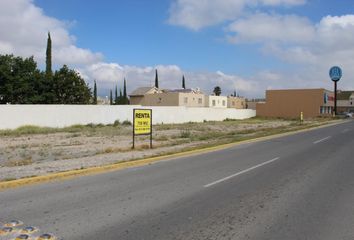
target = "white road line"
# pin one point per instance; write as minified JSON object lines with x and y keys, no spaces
{"x":321,"y":140}
{"x":242,"y":172}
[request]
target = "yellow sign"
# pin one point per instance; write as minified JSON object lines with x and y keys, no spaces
{"x":142,"y":121}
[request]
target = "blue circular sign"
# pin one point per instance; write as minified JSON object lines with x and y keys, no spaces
{"x":335,"y":73}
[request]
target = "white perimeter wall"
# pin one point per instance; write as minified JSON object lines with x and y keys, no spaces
{"x":14,"y":116}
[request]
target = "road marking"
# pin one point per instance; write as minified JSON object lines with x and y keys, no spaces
{"x":345,"y":130}
{"x":322,"y":140}
{"x":239,"y":173}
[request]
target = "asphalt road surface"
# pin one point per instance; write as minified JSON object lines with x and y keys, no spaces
{"x":294,"y":187}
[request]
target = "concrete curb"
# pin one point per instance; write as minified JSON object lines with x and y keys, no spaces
{"x":136,"y":163}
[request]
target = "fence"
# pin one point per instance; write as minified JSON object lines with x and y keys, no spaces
{"x":14,"y":116}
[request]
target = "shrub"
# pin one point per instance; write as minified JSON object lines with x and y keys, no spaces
{"x":126,"y":123}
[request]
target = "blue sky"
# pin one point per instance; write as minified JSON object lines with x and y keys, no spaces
{"x":247,"y":45}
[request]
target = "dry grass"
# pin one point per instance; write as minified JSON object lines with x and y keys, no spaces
{"x":16,"y":163}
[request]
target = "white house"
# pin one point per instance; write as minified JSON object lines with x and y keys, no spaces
{"x":216,"y":101}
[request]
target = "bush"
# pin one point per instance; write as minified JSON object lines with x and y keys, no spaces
{"x":116,"y":123}
{"x":127,"y":123}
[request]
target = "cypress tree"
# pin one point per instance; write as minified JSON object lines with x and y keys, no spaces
{"x":235,"y":93}
{"x":125,"y":96}
{"x":48,"y":61}
{"x":156,"y":79}
{"x":116,"y":99}
{"x":125,"y":89}
{"x":183,"y":83}
{"x":110,"y":97}
{"x":95,"y":93}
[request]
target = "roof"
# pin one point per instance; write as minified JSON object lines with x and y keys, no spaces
{"x":182,"y":90}
{"x":344,"y":95}
{"x":143,"y":91}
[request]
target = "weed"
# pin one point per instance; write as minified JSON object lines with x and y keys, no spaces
{"x":8,"y":179}
{"x":185,"y":134}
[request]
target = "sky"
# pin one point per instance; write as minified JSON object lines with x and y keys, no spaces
{"x":247,"y":46}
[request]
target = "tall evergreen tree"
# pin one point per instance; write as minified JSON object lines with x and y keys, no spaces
{"x":235,"y":93}
{"x":183,"y":82}
{"x":95,"y":93}
{"x":110,"y":97}
{"x":125,"y":89}
{"x":48,"y":60}
{"x":116,"y":99}
{"x":48,"y":88}
{"x":125,"y":95}
{"x":156,"y":79}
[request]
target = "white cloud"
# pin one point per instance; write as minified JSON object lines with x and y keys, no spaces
{"x":263,"y":27}
{"x":199,"y":14}
{"x":23,"y":31}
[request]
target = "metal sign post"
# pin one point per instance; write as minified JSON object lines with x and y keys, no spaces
{"x":142,"y":124}
{"x":335,"y":73}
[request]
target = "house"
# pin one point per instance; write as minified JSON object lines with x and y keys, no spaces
{"x":176,"y":97}
{"x":345,"y":101}
{"x":137,"y":97}
{"x":236,"y":102}
{"x":216,"y":101}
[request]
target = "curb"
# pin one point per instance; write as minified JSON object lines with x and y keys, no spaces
{"x":136,"y":163}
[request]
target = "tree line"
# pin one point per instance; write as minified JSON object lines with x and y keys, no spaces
{"x":21,"y":82}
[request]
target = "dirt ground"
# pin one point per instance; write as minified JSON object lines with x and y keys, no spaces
{"x":55,"y":150}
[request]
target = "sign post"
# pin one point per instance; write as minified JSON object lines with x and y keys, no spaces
{"x":335,"y":73}
{"x":142,"y":124}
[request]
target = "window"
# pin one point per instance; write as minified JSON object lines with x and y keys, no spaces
{"x":200,"y":100}
{"x":214,"y":103}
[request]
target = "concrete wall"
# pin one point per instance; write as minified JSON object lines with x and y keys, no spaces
{"x":13,"y":116}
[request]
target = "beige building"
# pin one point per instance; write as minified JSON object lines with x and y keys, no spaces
{"x":290,"y":103}
{"x":216,"y":101}
{"x":236,"y":102}
{"x":157,"y":97}
{"x":345,"y":101}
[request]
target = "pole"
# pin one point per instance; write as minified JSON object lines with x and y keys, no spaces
{"x":133,"y":128}
{"x":335,"y":98}
{"x":150,"y":129}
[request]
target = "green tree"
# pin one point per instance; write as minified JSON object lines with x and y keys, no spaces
{"x":47,"y":85}
{"x":19,"y":80}
{"x":70,"y":87}
{"x":156,"y":79}
{"x":116,"y":98}
{"x":183,"y":82}
{"x":217,"y":91}
{"x":125,"y":96}
{"x":110,"y":97}
{"x":95,"y":93}
{"x":48,"y":60}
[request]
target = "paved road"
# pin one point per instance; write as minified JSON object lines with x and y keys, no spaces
{"x":294,"y":187}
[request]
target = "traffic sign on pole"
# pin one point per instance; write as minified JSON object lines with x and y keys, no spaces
{"x":335,"y":73}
